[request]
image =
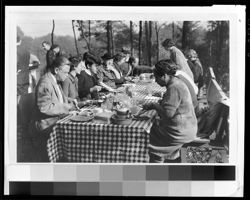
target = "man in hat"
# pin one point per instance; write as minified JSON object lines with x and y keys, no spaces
{"x":177,"y":56}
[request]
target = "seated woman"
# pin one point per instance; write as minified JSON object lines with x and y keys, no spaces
{"x":119,"y":59}
{"x":177,"y":123}
{"x":70,"y":84}
{"x":88,"y":85}
{"x":107,"y":75}
{"x":193,"y":89}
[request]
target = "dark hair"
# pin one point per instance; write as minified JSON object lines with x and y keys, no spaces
{"x":55,"y":46}
{"x":89,"y":62}
{"x":92,"y":56}
{"x":168,"y":43}
{"x":106,"y":56}
{"x":45,"y":42}
{"x":131,"y":60}
{"x":118,"y":57}
{"x":74,"y":62}
{"x":165,"y":67}
{"x":59,"y":61}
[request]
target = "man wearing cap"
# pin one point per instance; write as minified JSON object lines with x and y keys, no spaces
{"x":177,"y":56}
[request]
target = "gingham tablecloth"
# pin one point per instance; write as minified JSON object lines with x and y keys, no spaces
{"x":92,"y":142}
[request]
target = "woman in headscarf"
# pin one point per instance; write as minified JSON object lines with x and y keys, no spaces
{"x":177,"y":123}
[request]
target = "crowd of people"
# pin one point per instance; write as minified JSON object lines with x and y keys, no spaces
{"x":70,"y":81}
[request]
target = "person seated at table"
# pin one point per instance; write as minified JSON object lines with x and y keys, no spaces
{"x":133,"y":62}
{"x":119,"y":59}
{"x":126,"y":67}
{"x":70,"y":84}
{"x":177,"y":56}
{"x":88,"y":85}
{"x":193,"y":89}
{"x":107,"y":72}
{"x":177,"y":123}
{"x":196,"y":67}
{"x":50,"y":105}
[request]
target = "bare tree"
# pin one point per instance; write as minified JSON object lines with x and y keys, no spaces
{"x":52,"y":33}
{"x":89,"y":33}
{"x":149,"y":42}
{"x":112,"y":38}
{"x":73,"y":27}
{"x":146,"y":37}
{"x":131,"y":37}
{"x":82,"y":33}
{"x":108,"y":37}
{"x":140,"y":40}
{"x":173,"y":31}
{"x":185,"y":35}
{"x":157,"y":30}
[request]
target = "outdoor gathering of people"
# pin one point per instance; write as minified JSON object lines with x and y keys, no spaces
{"x":71,"y":83}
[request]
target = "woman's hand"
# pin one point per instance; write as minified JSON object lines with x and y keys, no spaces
{"x":148,"y":106}
{"x":96,"y":88}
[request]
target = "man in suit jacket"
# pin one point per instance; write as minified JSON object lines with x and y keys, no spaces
{"x":51,"y":104}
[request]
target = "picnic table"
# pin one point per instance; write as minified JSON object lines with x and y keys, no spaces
{"x":101,"y":143}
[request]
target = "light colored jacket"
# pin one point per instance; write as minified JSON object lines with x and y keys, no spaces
{"x":178,"y":57}
{"x":49,"y":109}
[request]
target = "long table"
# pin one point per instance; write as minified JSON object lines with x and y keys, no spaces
{"x":101,"y":143}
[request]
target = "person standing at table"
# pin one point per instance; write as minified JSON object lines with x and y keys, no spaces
{"x":88,"y":84}
{"x":50,"y":105}
{"x":177,"y":124}
{"x":177,"y":56}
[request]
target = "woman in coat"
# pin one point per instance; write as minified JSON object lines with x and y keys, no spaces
{"x":177,"y":123}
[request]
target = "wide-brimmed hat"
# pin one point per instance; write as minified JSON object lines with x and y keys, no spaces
{"x":106,"y":56}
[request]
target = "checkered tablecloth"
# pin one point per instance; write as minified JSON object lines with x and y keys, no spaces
{"x":92,"y":142}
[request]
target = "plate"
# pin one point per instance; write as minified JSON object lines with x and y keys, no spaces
{"x":86,"y":113}
{"x":118,"y":121}
{"x":79,"y":118}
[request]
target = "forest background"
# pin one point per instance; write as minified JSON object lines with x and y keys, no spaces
{"x":209,"y":39}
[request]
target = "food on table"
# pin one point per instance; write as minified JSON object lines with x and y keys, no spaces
{"x":103,"y":117}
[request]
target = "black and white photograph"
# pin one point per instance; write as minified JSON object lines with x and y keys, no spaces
{"x":122,"y":91}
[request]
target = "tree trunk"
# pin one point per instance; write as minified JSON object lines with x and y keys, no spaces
{"x":83,"y":35}
{"x":146,"y":38}
{"x":112,"y":39}
{"x":140,"y":39}
{"x":73,"y":27}
{"x":108,"y":37}
{"x":131,"y":38}
{"x":149,"y":43}
{"x":89,"y":33}
{"x":52,"y":33}
{"x":173,"y":31}
{"x":157,"y":42}
{"x":185,"y":35}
